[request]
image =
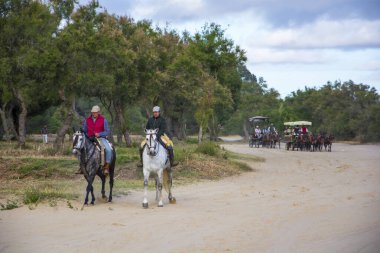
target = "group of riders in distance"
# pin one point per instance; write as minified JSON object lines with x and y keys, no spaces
{"x":265,"y":136}
{"x":296,"y":136}
{"x":97,"y":156}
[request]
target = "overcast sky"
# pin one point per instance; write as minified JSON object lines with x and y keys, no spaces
{"x":291,"y":44}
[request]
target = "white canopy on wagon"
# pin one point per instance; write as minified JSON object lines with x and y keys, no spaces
{"x":258,"y":119}
{"x":298,"y":123}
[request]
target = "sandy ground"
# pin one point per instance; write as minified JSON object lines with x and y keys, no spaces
{"x":293,"y":202}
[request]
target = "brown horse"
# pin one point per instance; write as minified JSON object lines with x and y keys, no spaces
{"x":275,"y":137}
{"x":328,"y":142}
{"x":311,"y":142}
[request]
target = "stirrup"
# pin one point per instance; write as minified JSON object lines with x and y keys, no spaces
{"x":106,"y":169}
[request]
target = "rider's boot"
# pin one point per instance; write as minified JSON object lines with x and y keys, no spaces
{"x":171,"y":158}
{"x":106,"y":168}
{"x":140,"y":164}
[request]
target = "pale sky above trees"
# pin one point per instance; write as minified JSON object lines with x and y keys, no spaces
{"x":292,"y":44}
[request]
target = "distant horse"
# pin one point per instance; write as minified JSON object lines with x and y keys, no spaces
{"x":319,"y":142}
{"x":328,"y":142}
{"x":312,"y":142}
{"x":89,"y":157}
{"x":254,"y":140}
{"x":266,"y":140}
{"x":275,"y":138}
{"x":155,"y":159}
{"x":297,"y":142}
{"x":306,"y":141}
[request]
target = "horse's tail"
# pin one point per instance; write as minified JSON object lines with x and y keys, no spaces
{"x":165,"y":180}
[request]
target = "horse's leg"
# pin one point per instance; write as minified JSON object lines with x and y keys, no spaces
{"x":103,"y":178}
{"x":159,"y":175}
{"x":92,"y":194}
{"x":91,"y":188}
{"x":156,"y":181}
{"x":146,"y":179}
{"x":171,"y":199}
{"x":112,"y":173}
{"x":87,"y":192}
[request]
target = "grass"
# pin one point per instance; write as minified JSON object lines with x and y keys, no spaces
{"x":11,"y":204}
{"x":37,"y":174}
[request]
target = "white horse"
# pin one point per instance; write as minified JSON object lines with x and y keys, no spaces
{"x":155,"y":159}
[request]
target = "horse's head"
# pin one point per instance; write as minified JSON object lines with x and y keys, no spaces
{"x":78,"y":141}
{"x":151,"y":141}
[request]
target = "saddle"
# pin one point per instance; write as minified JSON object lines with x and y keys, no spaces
{"x":100,"y":146}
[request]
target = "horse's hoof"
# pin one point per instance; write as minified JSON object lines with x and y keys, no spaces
{"x":145,"y":205}
{"x":104,"y":197}
{"x":110,"y":201}
{"x":160,"y":205}
{"x":173,"y":201}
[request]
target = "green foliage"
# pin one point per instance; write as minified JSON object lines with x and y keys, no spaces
{"x":347,"y":110}
{"x":42,"y":168}
{"x":208,"y":148}
{"x":32,"y":196}
{"x":11,"y":204}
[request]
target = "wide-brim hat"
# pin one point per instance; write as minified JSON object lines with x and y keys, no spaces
{"x":95,"y":108}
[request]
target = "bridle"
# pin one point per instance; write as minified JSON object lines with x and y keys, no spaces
{"x":151,"y":142}
{"x":80,"y":147}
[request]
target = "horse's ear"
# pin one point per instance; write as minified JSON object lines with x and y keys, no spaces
{"x":145,"y":131}
{"x":81,"y":130}
{"x":156,"y":130}
{"x":74,"y":130}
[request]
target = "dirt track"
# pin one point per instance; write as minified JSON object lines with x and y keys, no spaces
{"x":293,"y":202}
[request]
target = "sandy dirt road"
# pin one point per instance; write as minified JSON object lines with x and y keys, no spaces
{"x":292,"y":202}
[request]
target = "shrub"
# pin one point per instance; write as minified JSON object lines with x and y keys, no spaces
{"x":208,"y":148}
{"x":9,"y":205}
{"x":31,"y":196}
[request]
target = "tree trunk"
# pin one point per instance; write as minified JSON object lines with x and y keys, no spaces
{"x":69,"y":105}
{"x":246,"y":134}
{"x":4,"y":121}
{"x":127,"y":138}
{"x":108,"y":105}
{"x":179,"y":129}
{"x":21,"y":118}
{"x":213,"y":129}
{"x":122,"y":129}
{"x":200,"y":134}
{"x":183,"y":130}
{"x":169,"y":126}
{"x":11,"y":119}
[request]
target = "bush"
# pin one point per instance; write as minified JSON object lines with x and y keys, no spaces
{"x":208,"y":148}
{"x":31,"y":196}
{"x":9,"y":205}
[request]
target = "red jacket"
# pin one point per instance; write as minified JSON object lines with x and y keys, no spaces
{"x":95,"y":127}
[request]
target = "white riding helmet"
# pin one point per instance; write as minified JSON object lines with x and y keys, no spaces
{"x":156,"y":109}
{"x":95,"y":108}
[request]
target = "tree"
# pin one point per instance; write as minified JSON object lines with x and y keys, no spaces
{"x":27,"y":28}
{"x":221,"y":59}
